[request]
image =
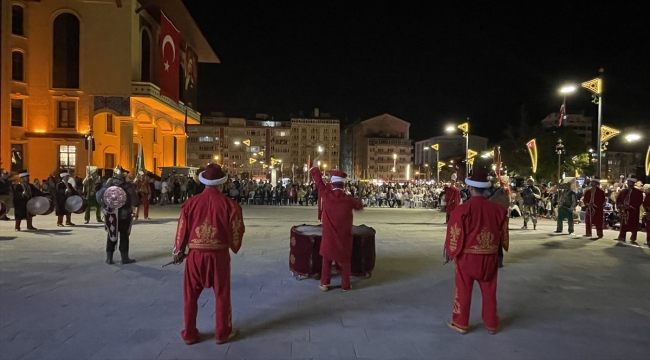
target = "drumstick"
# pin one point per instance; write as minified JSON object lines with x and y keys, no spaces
{"x":169,"y":263}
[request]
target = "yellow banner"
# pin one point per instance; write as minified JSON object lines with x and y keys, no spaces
{"x":470,"y":161}
{"x":435,"y":147}
{"x":260,"y":153}
{"x":607,"y":133}
{"x":464,"y":127}
{"x":595,"y":85}
{"x":532,"y":150}
{"x":265,"y":166}
{"x":247,"y":142}
{"x":251,"y":160}
{"x":471,"y":153}
{"x":440,"y":164}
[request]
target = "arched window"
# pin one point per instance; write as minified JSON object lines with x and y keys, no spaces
{"x":17,"y":20}
{"x":17,"y":68}
{"x":145,"y":57}
{"x":65,"y":52}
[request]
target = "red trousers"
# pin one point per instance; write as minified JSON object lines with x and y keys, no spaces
{"x":597,"y":219}
{"x":631,"y":225}
{"x":481,"y":268}
{"x":326,"y":273}
{"x":207,"y":269}
{"x":144,"y":201}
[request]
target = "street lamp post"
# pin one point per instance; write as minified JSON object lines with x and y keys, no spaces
{"x":559,"y":148}
{"x":436,"y":147}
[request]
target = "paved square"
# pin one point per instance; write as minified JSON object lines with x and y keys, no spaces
{"x":559,"y":297}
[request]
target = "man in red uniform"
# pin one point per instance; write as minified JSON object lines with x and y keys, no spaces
{"x":628,"y":204}
{"x":646,"y":206}
{"x":594,"y":199}
{"x":475,"y":230}
{"x":210,"y":225}
{"x":336,"y":243}
{"x":143,"y":189}
{"x":452,"y":197}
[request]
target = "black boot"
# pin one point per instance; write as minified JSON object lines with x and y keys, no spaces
{"x":125,"y":258}
{"x":109,"y":257}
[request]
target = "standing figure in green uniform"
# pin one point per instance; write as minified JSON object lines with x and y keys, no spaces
{"x":566,"y":206}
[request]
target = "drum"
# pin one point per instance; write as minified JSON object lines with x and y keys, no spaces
{"x":40,"y":205}
{"x":305,"y":260}
{"x":76,"y":204}
{"x":4,"y":208}
{"x":114,"y":197}
{"x":363,"y":251}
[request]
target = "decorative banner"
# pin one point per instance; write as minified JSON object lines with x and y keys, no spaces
{"x":247,"y":142}
{"x":532,"y":150}
{"x":492,"y":153}
{"x":188,"y":87}
{"x":471,"y":153}
{"x":435,"y":147}
{"x":264,"y":166}
{"x":470,"y":161}
{"x":170,"y":58}
{"x":464,"y":127}
{"x":595,"y":85}
{"x":251,"y":160}
{"x":607,"y":133}
{"x":440,"y":164}
{"x":647,"y":163}
{"x":260,"y":153}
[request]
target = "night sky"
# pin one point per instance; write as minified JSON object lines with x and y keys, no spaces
{"x":427,"y":64}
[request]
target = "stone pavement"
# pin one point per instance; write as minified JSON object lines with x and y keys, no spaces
{"x":559,"y":297}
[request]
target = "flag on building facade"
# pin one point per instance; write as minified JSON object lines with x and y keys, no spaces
{"x":170,"y":58}
{"x":188,"y":87}
{"x":498,"y":167}
{"x":562,"y":113}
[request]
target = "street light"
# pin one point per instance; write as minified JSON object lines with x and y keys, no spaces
{"x":632,"y":137}
{"x":237,"y":143}
{"x":568,"y":89}
{"x":450,"y":128}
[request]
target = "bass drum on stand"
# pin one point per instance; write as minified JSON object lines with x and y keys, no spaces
{"x":40,"y":205}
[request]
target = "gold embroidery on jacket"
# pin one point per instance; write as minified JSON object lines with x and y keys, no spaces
{"x":485,"y":243}
{"x":236,"y":230}
{"x":454,"y":233}
{"x":205,"y":233}
{"x":179,"y":231}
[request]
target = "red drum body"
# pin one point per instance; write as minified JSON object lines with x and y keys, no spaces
{"x":76,"y":204}
{"x":305,"y":260}
{"x":363,"y":251}
{"x":40,"y":205}
{"x":4,"y":208}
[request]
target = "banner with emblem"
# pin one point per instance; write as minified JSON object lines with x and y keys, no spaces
{"x":188,"y":87}
{"x":170,"y":58}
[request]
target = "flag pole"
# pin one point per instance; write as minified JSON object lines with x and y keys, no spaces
{"x":186,"y":137}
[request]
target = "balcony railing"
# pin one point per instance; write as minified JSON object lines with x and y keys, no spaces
{"x":153,"y":91}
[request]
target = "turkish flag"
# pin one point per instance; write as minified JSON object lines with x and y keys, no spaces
{"x":170,"y":58}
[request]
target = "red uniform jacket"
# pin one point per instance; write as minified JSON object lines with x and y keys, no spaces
{"x":210,"y":221}
{"x":476,"y":227}
{"x":320,"y":202}
{"x":452,"y":198}
{"x":595,"y":200}
{"x":634,"y":201}
{"x":337,"y":207}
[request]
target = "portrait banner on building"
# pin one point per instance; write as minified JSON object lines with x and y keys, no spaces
{"x":170,"y":58}
{"x":188,"y":87}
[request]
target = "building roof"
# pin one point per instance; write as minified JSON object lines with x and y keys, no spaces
{"x":383,"y":117}
{"x":184,"y":22}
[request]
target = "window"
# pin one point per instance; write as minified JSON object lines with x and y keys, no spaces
{"x":17,"y":20}
{"x":145,"y":57}
{"x":155,"y":135}
{"x":17,"y":73}
{"x":65,"y":52}
{"x":66,"y":114}
{"x":17,"y":112}
{"x":109,"y":161}
{"x":67,"y":156}
{"x":109,"y":123}
{"x":206,"y":139}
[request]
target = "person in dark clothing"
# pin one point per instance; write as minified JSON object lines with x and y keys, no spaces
{"x":23,"y":192}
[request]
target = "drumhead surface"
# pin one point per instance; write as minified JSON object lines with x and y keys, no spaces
{"x":73,"y":203}
{"x":362,"y":230}
{"x":310,"y":230}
